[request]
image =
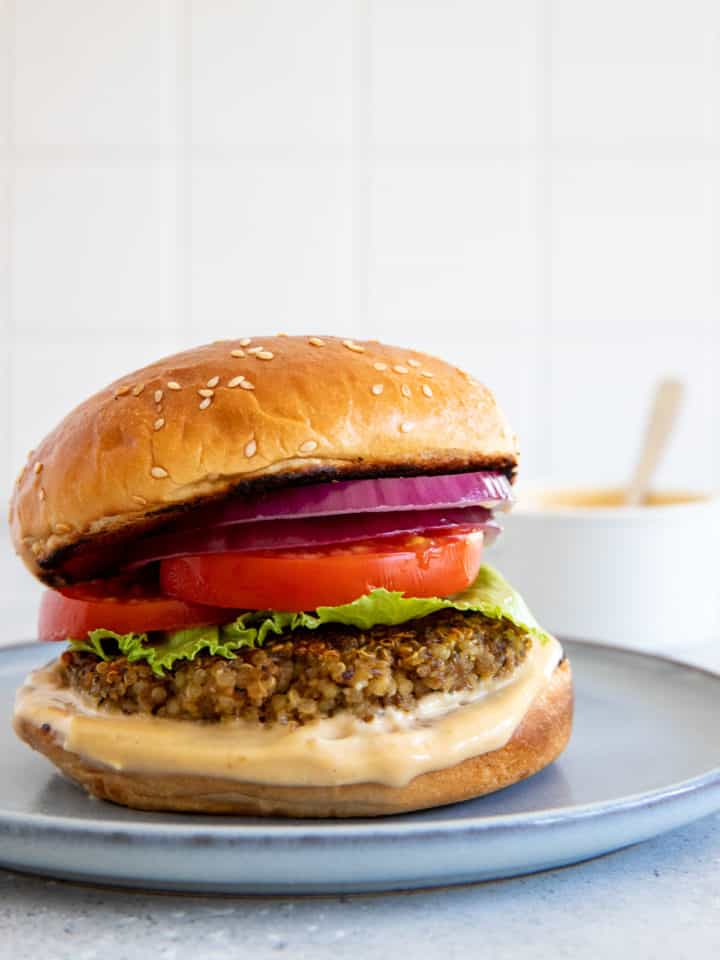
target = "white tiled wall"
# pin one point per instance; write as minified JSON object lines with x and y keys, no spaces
{"x":531,"y":189}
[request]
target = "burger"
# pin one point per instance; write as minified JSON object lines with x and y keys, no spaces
{"x":265,"y":562}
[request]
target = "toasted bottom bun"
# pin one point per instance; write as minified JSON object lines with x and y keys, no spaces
{"x":540,"y":739}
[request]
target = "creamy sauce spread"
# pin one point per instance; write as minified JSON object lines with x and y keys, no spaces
{"x":391,"y":749}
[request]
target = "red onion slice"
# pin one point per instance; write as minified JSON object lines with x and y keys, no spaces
{"x":301,"y":533}
{"x":391,"y":494}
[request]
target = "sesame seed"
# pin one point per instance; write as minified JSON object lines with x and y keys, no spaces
{"x":427,"y":390}
{"x":376,"y":389}
{"x":203,"y":392}
{"x":36,"y":548}
{"x":254,"y":350}
{"x":406,"y":427}
{"x":316,"y":342}
{"x":250,"y":449}
{"x":405,"y":390}
{"x":158,"y":395}
{"x":212,"y":477}
{"x":308,"y":446}
{"x":236,"y":381}
{"x":282,"y":334}
{"x":237,"y":353}
{"x":121,"y":391}
{"x":380,"y":366}
{"x":413,"y":363}
{"x":159,"y":423}
{"x":399,"y":368}
{"x":355,"y":347}
{"x":62,"y":528}
{"x":41,"y":494}
{"x":264,"y":355}
{"x":141,"y":500}
{"x":37,"y":468}
{"x":204,"y":404}
{"x":426,"y":373}
{"x":213,"y":381}
{"x":173,"y":385}
{"x":137,"y":389}
{"x":159,"y":473}
{"x":246,"y":385}
{"x":246,"y":342}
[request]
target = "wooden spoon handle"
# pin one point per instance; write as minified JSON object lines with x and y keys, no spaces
{"x":665,"y":408}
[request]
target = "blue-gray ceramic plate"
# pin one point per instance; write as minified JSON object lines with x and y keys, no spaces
{"x":644,"y":758}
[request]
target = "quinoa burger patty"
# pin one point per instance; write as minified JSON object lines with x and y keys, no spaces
{"x":312,"y":674}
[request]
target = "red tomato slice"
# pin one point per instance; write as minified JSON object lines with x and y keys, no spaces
{"x":114,"y":605}
{"x":327,"y":576}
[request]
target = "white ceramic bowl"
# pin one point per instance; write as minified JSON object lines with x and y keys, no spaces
{"x":644,"y":577}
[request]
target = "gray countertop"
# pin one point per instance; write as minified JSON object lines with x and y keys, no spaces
{"x":657,"y":899}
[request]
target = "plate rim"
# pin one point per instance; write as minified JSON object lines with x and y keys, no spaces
{"x":322,"y":832}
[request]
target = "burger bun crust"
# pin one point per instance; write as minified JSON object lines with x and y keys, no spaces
{"x":222,"y":420}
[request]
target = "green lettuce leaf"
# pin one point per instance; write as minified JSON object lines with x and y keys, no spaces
{"x":489,"y":595}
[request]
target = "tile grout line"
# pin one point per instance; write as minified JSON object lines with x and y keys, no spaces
{"x":183,"y":201}
{"x":8,"y":323}
{"x":544,"y":169}
{"x":159,"y":156}
{"x":713,"y":351}
{"x":361,"y":212}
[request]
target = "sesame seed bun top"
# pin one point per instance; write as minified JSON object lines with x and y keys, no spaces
{"x":241,"y":415}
